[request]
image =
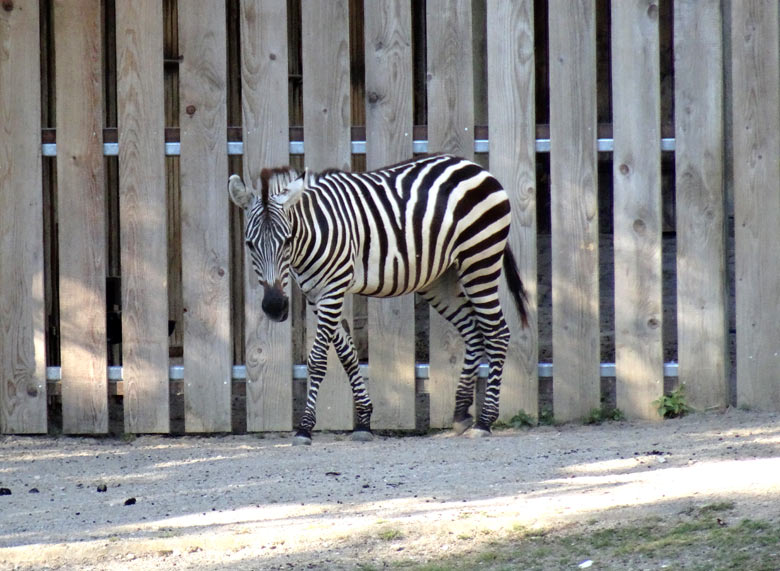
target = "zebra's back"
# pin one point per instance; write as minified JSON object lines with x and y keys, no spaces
{"x":402,"y":226}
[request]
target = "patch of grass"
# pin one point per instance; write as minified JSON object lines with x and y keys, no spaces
{"x":522,"y":420}
{"x":390,"y":534}
{"x":673,"y":405}
{"x":546,"y":417}
{"x":697,"y":541}
{"x":604,"y":414}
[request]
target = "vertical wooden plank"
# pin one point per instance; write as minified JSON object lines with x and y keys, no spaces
{"x":637,"y":207}
{"x":326,"y":130}
{"x":756,"y":114}
{"x":143,"y":228}
{"x":388,"y":49}
{"x":574,"y":208}
{"x":511,"y":88}
{"x":204,"y":210}
{"x":701,"y":255}
{"x":22,"y":351}
{"x":81,"y":208}
{"x":266,"y":144}
{"x":450,"y":130}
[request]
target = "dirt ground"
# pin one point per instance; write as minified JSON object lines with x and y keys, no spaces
{"x":244,"y":502}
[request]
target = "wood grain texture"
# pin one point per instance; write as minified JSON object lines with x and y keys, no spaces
{"x":326,"y":120}
{"x":388,"y":49}
{"x":204,"y":211}
{"x":701,"y":256}
{"x":450,"y":130}
{"x":574,"y":208}
{"x":81,"y":212}
{"x":637,"y":207}
{"x":513,"y":161}
{"x":143,"y":228}
{"x":22,"y":351}
{"x":266,"y":144}
{"x":756,"y":120}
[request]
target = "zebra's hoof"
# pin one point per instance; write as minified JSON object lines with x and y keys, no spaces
{"x":362,"y":436}
{"x":302,"y":438}
{"x":461,"y":426}
{"x":478,"y":433}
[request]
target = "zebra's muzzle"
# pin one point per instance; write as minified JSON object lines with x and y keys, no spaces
{"x":275,"y":304}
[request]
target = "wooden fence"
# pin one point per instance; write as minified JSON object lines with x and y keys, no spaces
{"x":123,"y":210}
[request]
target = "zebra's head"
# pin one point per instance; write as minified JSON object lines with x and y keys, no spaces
{"x":268,"y":232}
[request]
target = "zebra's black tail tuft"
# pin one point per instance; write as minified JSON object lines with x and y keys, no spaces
{"x":515,"y":285}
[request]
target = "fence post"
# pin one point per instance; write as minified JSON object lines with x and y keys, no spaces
{"x":22,"y":354}
{"x":266,"y":144}
{"x":701,"y":255}
{"x":574,"y":205}
{"x":511,"y":113}
{"x":388,"y":57}
{"x":756,"y":109}
{"x":143,"y":228}
{"x":204,"y":212}
{"x":81,"y":215}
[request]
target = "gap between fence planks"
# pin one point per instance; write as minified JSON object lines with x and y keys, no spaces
{"x":388,"y":60}
{"x":574,"y":208}
{"x":264,"y":64}
{"x":22,"y":351}
{"x":450,"y":130}
{"x":81,"y":216}
{"x":756,"y":109}
{"x":513,"y":162}
{"x":637,"y":208}
{"x":143,"y":227}
{"x":326,"y":120}
{"x":204,"y":212}
{"x":700,"y":203}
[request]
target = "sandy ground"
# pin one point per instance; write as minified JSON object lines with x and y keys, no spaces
{"x":243,"y":502}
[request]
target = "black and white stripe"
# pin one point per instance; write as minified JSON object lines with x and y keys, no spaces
{"x":437,"y":225}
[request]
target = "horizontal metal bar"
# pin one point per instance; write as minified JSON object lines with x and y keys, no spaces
{"x":421,"y":370}
{"x":358,"y":147}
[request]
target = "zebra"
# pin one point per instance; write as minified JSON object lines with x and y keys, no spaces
{"x":436,"y":225}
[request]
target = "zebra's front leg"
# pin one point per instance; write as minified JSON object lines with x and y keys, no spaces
{"x":345,"y":349}
{"x":317,"y":365}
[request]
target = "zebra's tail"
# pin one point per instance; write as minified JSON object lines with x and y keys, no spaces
{"x":515,"y":285}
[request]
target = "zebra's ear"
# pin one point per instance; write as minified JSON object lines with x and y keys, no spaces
{"x":238,"y":192}
{"x":293,"y":192}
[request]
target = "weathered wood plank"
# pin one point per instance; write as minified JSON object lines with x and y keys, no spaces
{"x":637,"y":207}
{"x":451,"y":130}
{"x":22,"y":351}
{"x":756,"y":120}
{"x":701,"y":256}
{"x":574,"y":208}
{"x":81,"y":212}
{"x":388,"y":49}
{"x":143,"y":228}
{"x":204,"y":211}
{"x":510,"y":42}
{"x":326,"y":120}
{"x":266,"y":143}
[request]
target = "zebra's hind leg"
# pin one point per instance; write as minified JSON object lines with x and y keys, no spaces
{"x":345,"y":349}
{"x":480,"y":282}
{"x":446,"y":297}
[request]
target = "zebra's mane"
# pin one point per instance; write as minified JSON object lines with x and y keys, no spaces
{"x":274,"y":181}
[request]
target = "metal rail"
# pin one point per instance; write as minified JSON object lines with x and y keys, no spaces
{"x":358,"y":147}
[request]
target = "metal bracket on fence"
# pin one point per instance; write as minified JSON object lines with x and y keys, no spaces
{"x":358,"y":147}
{"x":421,"y":370}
